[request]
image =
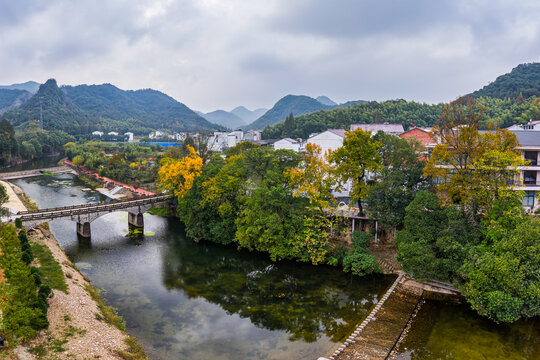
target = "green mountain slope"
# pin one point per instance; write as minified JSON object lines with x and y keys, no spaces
{"x":295,"y":104}
{"x":12,"y":98}
{"x":147,"y":107}
{"x":395,"y":111}
{"x":58,"y":112}
{"x":522,"y":80}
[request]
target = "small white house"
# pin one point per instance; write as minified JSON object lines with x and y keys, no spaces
{"x":288,"y":144}
{"x":129,"y":135}
{"x":234,"y":138}
{"x":218,"y":141}
{"x":330,"y":139}
{"x":253,"y":135}
{"x":155,"y":135}
{"x":97,"y":133}
{"x":114,"y":133}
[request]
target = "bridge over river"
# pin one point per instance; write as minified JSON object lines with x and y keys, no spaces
{"x":84,"y":214}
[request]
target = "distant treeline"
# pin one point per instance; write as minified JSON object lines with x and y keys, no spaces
{"x":498,"y":113}
{"x":29,"y":145}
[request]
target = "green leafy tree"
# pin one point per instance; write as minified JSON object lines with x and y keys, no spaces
{"x":358,"y":156}
{"x":503,"y":280}
{"x":435,"y":241}
{"x":18,"y":293}
{"x":396,"y":182}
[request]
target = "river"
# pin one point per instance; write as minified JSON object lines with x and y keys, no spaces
{"x":187,"y":300}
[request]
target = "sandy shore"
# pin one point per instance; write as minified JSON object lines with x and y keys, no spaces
{"x":14,"y":204}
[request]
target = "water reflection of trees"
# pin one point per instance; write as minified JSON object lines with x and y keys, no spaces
{"x":303,"y":300}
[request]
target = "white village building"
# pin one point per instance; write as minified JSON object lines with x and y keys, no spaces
{"x":288,"y":144}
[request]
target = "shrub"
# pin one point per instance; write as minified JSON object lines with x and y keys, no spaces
{"x":37,"y":276}
{"x":18,"y":223}
{"x":359,"y":260}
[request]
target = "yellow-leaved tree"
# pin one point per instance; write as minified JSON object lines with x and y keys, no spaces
{"x":177,"y":175}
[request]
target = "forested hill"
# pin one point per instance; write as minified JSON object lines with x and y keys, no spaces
{"x":58,"y":112}
{"x":523,"y":80}
{"x":12,"y":98}
{"x":295,"y":104}
{"x":147,"y":107}
{"x":395,"y":111}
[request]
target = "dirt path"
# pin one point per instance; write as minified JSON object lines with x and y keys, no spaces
{"x":14,"y":204}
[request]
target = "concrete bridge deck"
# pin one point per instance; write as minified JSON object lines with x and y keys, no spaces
{"x":36,"y":172}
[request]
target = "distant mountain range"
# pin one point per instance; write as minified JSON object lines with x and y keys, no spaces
{"x":31,"y":86}
{"x":10,"y":99}
{"x":81,"y":109}
{"x":236,"y":118}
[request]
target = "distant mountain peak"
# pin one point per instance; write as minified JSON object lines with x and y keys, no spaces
{"x":326,"y":100}
{"x":295,"y":104}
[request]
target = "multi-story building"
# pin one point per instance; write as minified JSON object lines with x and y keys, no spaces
{"x":529,"y":174}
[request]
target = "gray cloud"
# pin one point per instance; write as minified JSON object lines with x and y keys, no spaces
{"x":214,"y":54}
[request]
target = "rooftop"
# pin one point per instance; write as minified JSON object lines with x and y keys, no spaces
{"x":528,"y":137}
{"x":387,"y":128}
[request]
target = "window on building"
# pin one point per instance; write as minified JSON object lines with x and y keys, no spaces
{"x":529,"y":177}
{"x":531,"y":157}
{"x":528,"y":199}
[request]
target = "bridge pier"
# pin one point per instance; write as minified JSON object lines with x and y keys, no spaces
{"x":83,"y":229}
{"x":136,"y":219}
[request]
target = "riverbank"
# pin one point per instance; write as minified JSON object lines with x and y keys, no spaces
{"x":81,"y":325}
{"x":78,"y":328}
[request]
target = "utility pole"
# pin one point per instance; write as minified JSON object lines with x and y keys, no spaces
{"x":40,"y":115}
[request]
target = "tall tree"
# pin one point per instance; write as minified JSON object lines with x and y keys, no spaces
{"x":288,"y":126}
{"x":178,"y":175}
{"x":354,"y":160}
{"x":396,"y":182}
{"x":470,"y":167}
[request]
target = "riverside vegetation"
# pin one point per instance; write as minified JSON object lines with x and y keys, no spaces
{"x":468,"y":226}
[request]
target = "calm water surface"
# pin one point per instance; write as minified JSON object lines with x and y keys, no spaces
{"x":455,"y":332}
{"x":183,"y":300}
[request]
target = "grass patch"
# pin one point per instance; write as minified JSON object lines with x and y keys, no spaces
{"x":108,"y":313}
{"x":161,"y":211}
{"x":133,"y":352}
{"x":50,"y":271}
{"x":39,"y":351}
{"x":29,"y":203}
{"x":90,"y":182}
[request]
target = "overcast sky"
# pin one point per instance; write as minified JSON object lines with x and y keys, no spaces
{"x":217,"y":54}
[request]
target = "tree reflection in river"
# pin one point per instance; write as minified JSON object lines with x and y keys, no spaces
{"x":303,"y":300}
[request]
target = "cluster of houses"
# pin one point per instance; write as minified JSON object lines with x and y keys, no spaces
{"x":528,"y":136}
{"x":127,"y":135}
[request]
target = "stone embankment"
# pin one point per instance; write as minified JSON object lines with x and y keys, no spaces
{"x":377,"y":336}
